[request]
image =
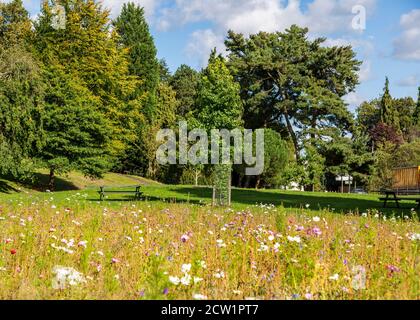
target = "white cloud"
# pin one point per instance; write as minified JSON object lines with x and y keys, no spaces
{"x":201,"y":43}
{"x":365,"y":72}
{"x":353,"y":100}
{"x":115,"y":6}
{"x":407,"y":46}
{"x":249,"y":16}
{"x":252,"y":16}
{"x":410,"y":81}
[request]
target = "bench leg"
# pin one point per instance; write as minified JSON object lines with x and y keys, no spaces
{"x":385,"y":203}
{"x":398,"y":203}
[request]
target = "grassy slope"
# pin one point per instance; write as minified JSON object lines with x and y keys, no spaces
{"x":73,"y":181}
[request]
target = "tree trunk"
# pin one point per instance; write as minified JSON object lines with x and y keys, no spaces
{"x":247,"y":182}
{"x":240,"y":180}
{"x":292,"y":135}
{"x":257,"y":185}
{"x":197,"y":174}
{"x":51,"y":182}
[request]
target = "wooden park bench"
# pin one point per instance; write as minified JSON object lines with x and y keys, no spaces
{"x":392,"y":196}
{"x":137,"y":193}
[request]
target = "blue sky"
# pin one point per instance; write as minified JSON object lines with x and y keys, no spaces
{"x":186,"y":30}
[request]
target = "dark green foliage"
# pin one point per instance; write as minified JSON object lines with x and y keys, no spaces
{"x":416,"y":117}
{"x":185,"y":83}
{"x":164,"y":72}
{"x":287,"y":79}
{"x":76,"y":131}
{"x":21,"y":105}
{"x":276,"y":155}
{"x":134,"y":34}
{"x":389,"y":114}
{"x":21,"y":93}
{"x":87,"y":99}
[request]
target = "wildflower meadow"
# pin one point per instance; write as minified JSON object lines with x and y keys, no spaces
{"x":62,"y":246}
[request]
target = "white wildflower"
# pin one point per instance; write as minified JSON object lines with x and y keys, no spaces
{"x":334,"y":277}
{"x":294,"y":239}
{"x":186,"y":280}
{"x":65,"y":276}
{"x":186,"y":268}
{"x":174,"y":280}
{"x":197,"y":279}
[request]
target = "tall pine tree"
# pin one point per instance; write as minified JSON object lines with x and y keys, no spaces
{"x":134,"y":33}
{"x":185,"y":82}
{"x":416,"y":117}
{"x":389,"y":114}
{"x":135,"y":36}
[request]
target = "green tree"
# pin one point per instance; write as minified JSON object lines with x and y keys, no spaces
{"x":132,"y":27}
{"x":408,"y":155}
{"x":218,"y":102}
{"x":76,"y":131}
{"x":21,"y":93}
{"x":406,"y":108}
{"x":134,"y":33}
{"x":382,"y":169}
{"x":164,"y":72}
{"x":185,"y":83}
{"x":416,"y":116}
{"x":218,"y":107}
{"x":165,"y":117}
{"x":276,"y":155}
{"x":389,"y":114}
{"x":314,"y":164}
{"x":15,"y":24}
{"x":85,"y":69}
{"x":288,"y":81}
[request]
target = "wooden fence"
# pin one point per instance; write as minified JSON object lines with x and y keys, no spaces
{"x":406,"y":178}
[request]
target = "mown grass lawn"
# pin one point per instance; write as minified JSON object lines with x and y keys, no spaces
{"x":174,"y":245}
{"x":242,"y":198}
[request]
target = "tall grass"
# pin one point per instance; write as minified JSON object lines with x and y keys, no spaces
{"x":183,"y":251}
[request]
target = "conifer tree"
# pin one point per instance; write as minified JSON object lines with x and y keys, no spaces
{"x":134,"y":33}
{"x":389,"y":115}
{"x":185,"y":83}
{"x":416,"y":117}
